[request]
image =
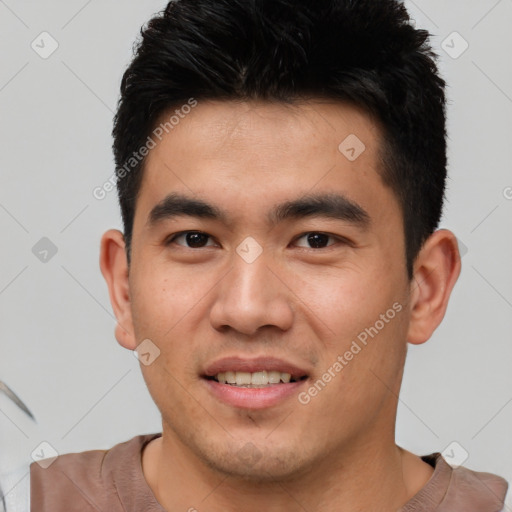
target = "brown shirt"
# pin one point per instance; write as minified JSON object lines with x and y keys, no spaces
{"x":112,"y":481}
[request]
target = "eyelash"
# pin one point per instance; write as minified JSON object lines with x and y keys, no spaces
{"x":341,"y":240}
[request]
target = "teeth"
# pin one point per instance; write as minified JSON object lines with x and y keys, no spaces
{"x":259,"y":378}
{"x":274,"y":377}
{"x":243,"y":378}
{"x":256,"y":379}
{"x":285,"y":377}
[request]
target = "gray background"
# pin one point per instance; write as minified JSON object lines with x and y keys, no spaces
{"x":58,"y":350}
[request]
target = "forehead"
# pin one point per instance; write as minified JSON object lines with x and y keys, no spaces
{"x":253,"y":154}
{"x":257,"y":128}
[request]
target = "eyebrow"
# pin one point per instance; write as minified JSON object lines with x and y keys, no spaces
{"x":330,"y":205}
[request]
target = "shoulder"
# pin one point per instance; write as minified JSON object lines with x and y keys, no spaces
{"x":480,"y":485}
{"x":508,"y":500}
{"x":473,"y":490}
{"x":86,"y":480}
{"x":458,"y":488}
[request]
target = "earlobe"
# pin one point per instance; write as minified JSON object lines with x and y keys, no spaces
{"x":436,"y":271}
{"x":114,"y":267}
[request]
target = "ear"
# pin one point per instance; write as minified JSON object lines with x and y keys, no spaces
{"x":436,"y":270}
{"x":114,"y":267}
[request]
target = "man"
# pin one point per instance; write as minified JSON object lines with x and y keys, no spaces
{"x":281,"y":169}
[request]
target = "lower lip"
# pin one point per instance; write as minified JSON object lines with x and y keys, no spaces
{"x":253,"y":398}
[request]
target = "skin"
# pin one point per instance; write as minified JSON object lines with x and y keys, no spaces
{"x":300,"y":303}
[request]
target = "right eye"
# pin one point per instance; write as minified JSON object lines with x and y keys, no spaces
{"x":193,"y":239}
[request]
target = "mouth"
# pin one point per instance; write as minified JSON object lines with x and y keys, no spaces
{"x":253,"y":383}
{"x":259,"y":379}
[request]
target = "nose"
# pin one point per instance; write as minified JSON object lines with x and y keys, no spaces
{"x":251,"y":296}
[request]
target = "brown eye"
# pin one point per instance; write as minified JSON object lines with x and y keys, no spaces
{"x":193,"y":239}
{"x":317,"y":240}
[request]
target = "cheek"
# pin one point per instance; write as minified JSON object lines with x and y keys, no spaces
{"x":346,"y":300}
{"x":168,"y":306}
{"x":162,"y":296}
{"x":360,"y":316}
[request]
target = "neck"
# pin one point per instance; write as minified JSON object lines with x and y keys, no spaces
{"x":378,"y":476}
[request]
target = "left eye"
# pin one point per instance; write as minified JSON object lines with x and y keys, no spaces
{"x":317,"y":240}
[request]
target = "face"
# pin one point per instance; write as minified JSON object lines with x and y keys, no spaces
{"x":262,"y":245}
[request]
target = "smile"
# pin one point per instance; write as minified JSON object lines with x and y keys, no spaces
{"x":253,"y":383}
{"x":256,"y":379}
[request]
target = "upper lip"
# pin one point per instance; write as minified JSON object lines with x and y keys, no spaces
{"x":234,"y":364}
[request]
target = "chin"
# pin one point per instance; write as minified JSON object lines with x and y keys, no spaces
{"x":255,"y":462}
{"x":248,"y":452}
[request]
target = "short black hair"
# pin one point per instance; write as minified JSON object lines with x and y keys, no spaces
{"x":365,"y":53}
